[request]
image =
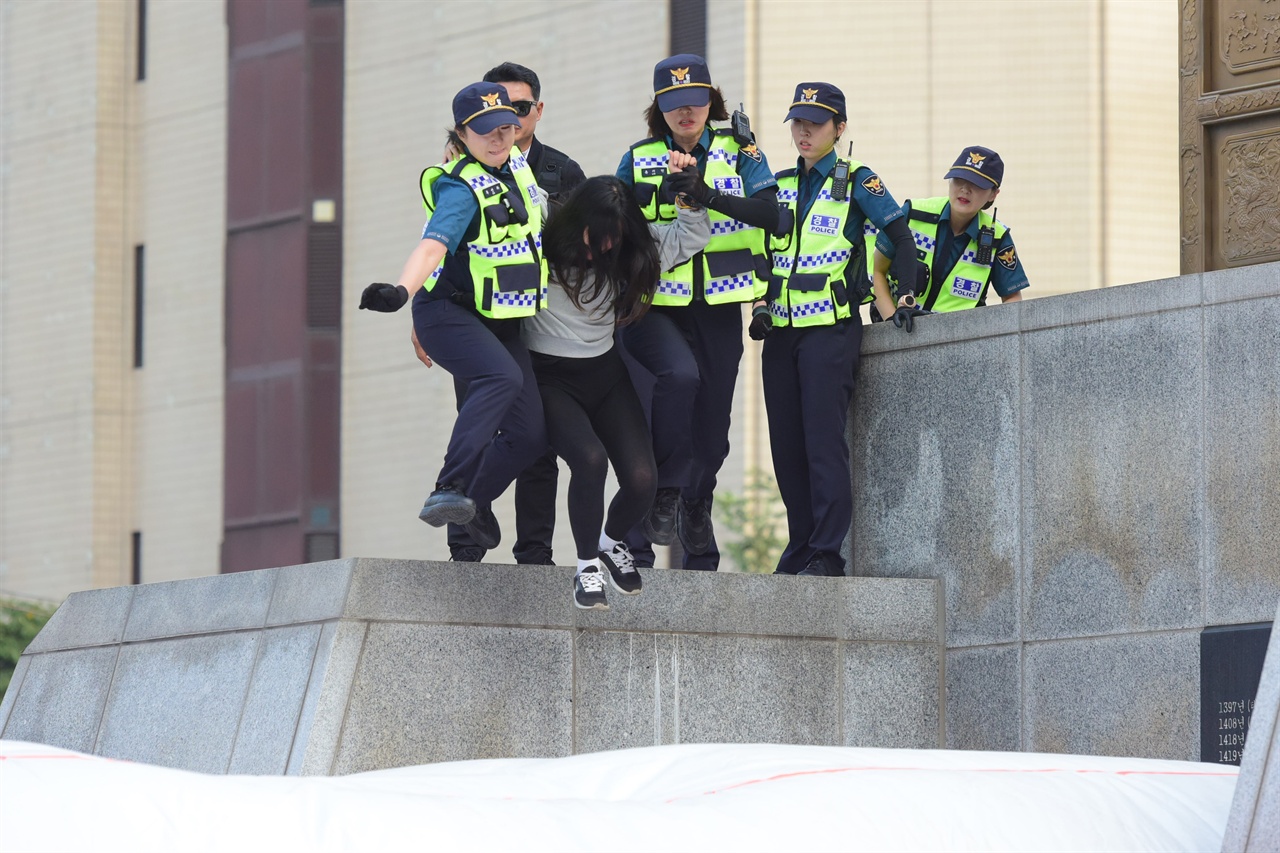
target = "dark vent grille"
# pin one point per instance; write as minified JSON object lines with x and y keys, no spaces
{"x":324,"y":277}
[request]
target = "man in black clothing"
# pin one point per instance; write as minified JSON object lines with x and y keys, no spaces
{"x":536,"y":485}
{"x":556,"y":173}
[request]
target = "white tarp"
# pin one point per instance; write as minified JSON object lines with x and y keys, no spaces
{"x":688,"y":797}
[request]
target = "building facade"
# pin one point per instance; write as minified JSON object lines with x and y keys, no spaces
{"x":169,"y":397}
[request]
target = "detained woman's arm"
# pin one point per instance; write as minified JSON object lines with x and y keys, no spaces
{"x":680,"y":240}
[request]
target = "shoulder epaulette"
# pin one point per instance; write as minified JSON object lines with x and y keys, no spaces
{"x":922,"y":216}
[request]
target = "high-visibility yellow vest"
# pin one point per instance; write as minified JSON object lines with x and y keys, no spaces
{"x":735,"y":263}
{"x":965,"y":285}
{"x":508,"y":272}
{"x":818,"y":276}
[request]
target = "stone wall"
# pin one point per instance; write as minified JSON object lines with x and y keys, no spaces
{"x":1091,"y":476}
{"x":362,"y":664}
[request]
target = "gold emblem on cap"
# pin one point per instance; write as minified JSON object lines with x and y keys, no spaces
{"x":808,"y":94}
{"x":975,"y":159}
{"x":680,"y":75}
{"x":490,"y":100}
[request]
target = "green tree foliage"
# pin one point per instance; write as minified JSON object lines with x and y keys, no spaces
{"x":759,"y":521}
{"x":20,"y":621}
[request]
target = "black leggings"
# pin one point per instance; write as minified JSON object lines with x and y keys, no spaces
{"x":594,"y":417}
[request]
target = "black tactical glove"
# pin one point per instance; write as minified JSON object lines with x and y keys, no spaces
{"x":384,"y":297}
{"x":761,"y":323}
{"x":786,"y":221}
{"x":904,"y":317}
{"x":690,"y":182}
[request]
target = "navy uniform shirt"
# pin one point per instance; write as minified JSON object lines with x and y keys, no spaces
{"x":870,"y":197}
{"x":756,"y":175}
{"x":1007,"y":275}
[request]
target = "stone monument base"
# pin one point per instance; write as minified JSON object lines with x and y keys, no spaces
{"x":362,"y":664}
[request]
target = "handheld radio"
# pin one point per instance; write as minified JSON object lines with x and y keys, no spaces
{"x":741,"y":127}
{"x":986,"y":243}
{"x":840,"y":178}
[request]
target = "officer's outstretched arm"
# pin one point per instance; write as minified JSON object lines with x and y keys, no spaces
{"x":1016,"y":296}
{"x":422,"y":262}
{"x":880,"y":286}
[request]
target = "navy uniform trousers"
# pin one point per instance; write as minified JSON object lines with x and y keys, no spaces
{"x":692,"y":355}
{"x":535,"y":510}
{"x":809,"y":379}
{"x":500,"y":428}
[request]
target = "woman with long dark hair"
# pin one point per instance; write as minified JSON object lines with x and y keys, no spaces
{"x":605,"y":261}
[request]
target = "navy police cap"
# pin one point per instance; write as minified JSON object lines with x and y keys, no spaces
{"x":682,"y":80}
{"x":817,"y":102}
{"x":483,"y":107}
{"x":980,"y":166}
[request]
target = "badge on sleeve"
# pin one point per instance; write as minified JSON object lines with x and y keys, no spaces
{"x":751,"y":151}
{"x":1008,"y":258}
{"x":873,"y":185}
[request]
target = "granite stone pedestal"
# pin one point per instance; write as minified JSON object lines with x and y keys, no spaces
{"x":1092,"y":478}
{"x":363,"y":664}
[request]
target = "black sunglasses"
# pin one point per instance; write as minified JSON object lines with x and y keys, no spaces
{"x":522,"y":108}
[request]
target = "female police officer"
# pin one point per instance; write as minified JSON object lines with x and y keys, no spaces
{"x":486,"y":228}
{"x":811,"y":328}
{"x":964,"y":248}
{"x":691,"y":342}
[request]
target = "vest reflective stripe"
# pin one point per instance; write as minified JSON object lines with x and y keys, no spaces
{"x":743,"y":282}
{"x":964,"y":286}
{"x":511,"y":252}
{"x":810,"y":266}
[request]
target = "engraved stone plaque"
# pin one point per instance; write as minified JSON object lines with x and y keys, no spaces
{"x":1230,"y":668}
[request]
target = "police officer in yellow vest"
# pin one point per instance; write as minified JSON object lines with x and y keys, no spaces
{"x":477,"y":270}
{"x":811,"y":328}
{"x":965,"y":249}
{"x":690,"y":343}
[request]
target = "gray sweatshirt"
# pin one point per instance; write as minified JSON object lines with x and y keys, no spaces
{"x":565,"y":330}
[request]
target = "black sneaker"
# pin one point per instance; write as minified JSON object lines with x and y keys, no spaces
{"x":693,"y":523}
{"x":822,"y":565}
{"x":467,"y":555}
{"x":622,"y":569}
{"x":484,"y":528}
{"x":659,"y":523}
{"x":588,"y":590}
{"x":447,"y":505}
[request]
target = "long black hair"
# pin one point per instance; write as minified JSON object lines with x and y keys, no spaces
{"x":618,"y":253}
